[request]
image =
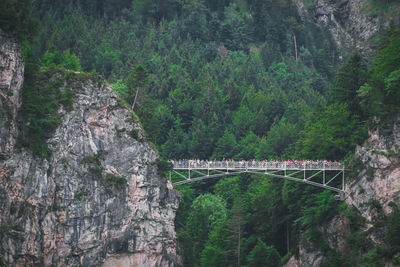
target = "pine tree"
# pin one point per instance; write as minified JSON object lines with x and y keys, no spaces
{"x":137,"y":81}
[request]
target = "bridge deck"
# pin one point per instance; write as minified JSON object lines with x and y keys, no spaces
{"x":256,"y":165}
{"x":312,"y":172}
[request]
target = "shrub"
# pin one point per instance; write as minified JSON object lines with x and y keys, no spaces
{"x":134,"y":133}
{"x":92,"y":159}
{"x":96,"y":171}
{"x":65,"y":59}
{"x":113,"y":180}
{"x":163,"y":166}
{"x":79,"y":195}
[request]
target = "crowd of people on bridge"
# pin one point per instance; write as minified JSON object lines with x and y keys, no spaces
{"x":230,"y":163}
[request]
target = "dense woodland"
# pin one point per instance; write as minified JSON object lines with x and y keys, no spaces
{"x":213,"y":79}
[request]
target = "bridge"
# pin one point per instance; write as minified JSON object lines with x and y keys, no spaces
{"x":325,"y":174}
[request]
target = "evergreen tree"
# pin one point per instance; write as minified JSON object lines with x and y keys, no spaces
{"x":348,"y":80}
{"x":137,"y":81}
{"x":263,"y":255}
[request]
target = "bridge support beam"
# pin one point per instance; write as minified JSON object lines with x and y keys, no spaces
{"x":311,"y":179}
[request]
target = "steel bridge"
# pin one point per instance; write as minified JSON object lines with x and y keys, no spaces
{"x":324,"y":174}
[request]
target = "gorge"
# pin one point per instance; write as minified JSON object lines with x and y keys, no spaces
{"x":83,"y":176}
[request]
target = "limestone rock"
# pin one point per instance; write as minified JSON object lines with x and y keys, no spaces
{"x":380,"y":178}
{"x":98,"y":200}
{"x":11,"y":79}
{"x":308,"y":256}
{"x":350,"y":22}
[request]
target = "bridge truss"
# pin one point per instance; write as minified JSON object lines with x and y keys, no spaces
{"x":324,"y":174}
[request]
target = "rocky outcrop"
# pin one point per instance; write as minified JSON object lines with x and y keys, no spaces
{"x":308,"y":256}
{"x":98,"y":200}
{"x":11,"y":79}
{"x":352,"y":23}
{"x":379,"y":179}
{"x":376,"y":186}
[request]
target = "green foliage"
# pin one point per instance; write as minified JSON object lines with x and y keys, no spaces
{"x":92,"y":159}
{"x":279,"y":140}
{"x":386,"y":7}
{"x":213,"y":256}
{"x":15,"y":17}
{"x":137,"y":81}
{"x":120,"y":88}
{"x":226,"y":146}
{"x":228,"y":189}
{"x":323,"y":208}
{"x":354,"y":166}
{"x":96,"y":171}
{"x":114,"y":181}
{"x":218,"y":79}
{"x":263,"y":255}
{"x":356,"y":220}
{"x":187,"y":196}
{"x":43,"y":94}
{"x":393,"y":233}
{"x":317,"y":209}
{"x":333,"y":134}
{"x":381,"y":95}
{"x":206,"y":212}
{"x":163,"y":166}
{"x":78,"y":196}
{"x":134,"y":133}
{"x":348,"y":80}
{"x":65,"y":59}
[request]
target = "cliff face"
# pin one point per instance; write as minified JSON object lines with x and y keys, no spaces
{"x":98,"y":200}
{"x":372,"y":191}
{"x":379,"y":178}
{"x":352,"y":23}
{"x":377,"y":184}
{"x":11,"y":79}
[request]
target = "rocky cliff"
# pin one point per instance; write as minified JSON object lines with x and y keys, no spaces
{"x":11,"y":78}
{"x":379,"y":179}
{"x":98,"y":200}
{"x":352,"y":23}
{"x":374,"y":184}
{"x":371,"y":193}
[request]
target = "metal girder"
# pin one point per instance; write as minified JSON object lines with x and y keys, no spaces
{"x":221,"y":172}
{"x":205,"y":177}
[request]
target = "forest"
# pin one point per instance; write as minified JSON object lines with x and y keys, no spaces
{"x":224,"y":79}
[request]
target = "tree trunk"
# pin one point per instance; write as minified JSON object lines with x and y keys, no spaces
{"x":287,"y":237}
{"x":295,"y":45}
{"x":238,"y":260}
{"x":134,"y":101}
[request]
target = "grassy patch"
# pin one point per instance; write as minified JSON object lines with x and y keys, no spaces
{"x":390,"y":154}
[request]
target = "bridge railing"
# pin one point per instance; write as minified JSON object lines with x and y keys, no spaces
{"x":256,"y":165}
